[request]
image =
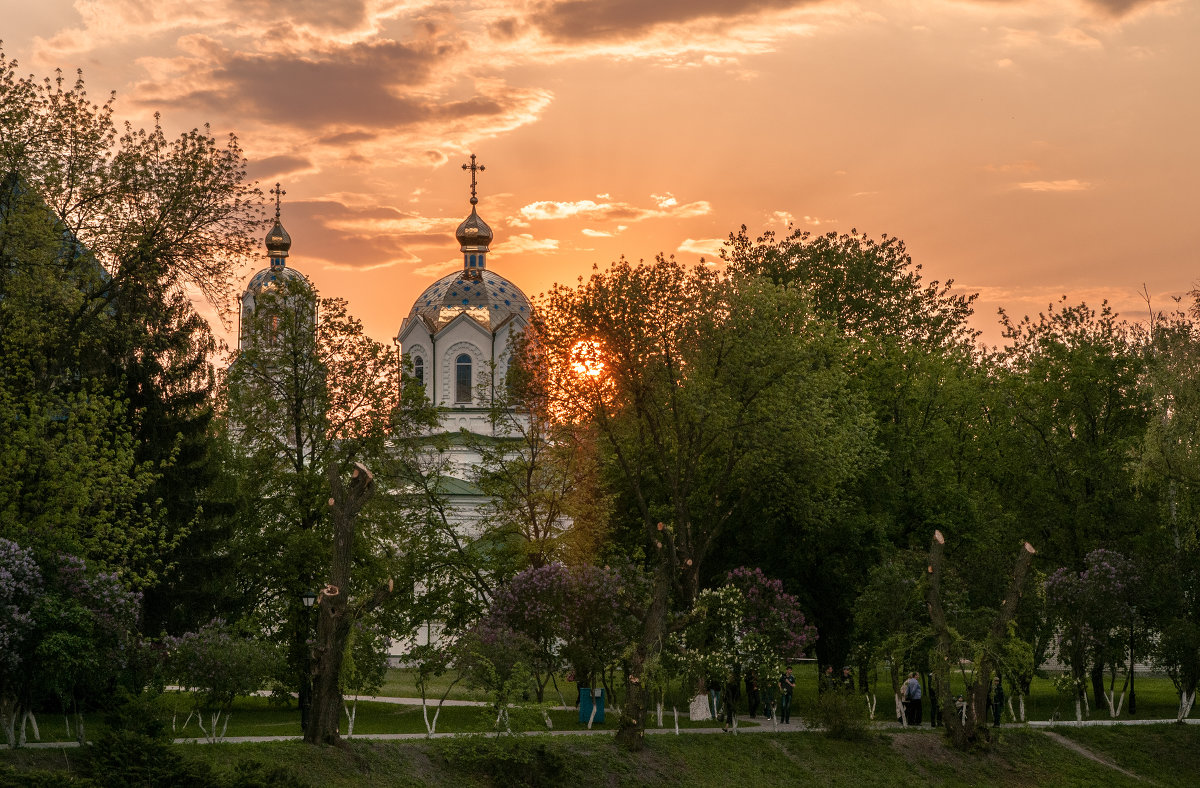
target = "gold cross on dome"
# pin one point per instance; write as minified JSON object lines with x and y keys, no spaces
{"x":278,"y":192}
{"x":473,"y":167}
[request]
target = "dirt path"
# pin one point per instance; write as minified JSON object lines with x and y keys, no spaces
{"x":1058,"y":738}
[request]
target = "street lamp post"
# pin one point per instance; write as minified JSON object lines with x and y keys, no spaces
{"x":308,"y":598}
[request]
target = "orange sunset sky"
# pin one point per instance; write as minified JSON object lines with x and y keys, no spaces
{"x":1025,"y":149}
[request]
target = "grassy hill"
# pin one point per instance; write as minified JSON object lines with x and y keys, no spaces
{"x":1163,"y":755}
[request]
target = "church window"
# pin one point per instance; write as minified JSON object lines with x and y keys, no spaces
{"x":419,"y":370}
{"x":462,"y":380}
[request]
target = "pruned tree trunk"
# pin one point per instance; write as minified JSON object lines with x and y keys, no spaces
{"x":965,"y":730}
{"x":632,"y":731}
{"x":335,"y":614}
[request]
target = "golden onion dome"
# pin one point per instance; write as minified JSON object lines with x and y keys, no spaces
{"x":473,"y":234}
{"x":278,"y":241}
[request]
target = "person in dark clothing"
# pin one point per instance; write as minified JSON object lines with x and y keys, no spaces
{"x":826,"y":682}
{"x":935,"y":710}
{"x":732,"y":696}
{"x":787,"y":683}
{"x":996,"y":701}
{"x":847,"y":681}
{"x":752,"y":692}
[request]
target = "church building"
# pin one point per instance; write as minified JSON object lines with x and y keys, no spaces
{"x":456,"y":339}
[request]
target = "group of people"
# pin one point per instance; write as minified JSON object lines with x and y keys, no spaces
{"x":910,"y":696}
{"x":783,"y":690}
{"x":832,"y":681}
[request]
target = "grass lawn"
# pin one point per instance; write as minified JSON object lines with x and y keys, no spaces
{"x":1165,"y":755}
{"x":1156,"y":698}
{"x":257,"y":717}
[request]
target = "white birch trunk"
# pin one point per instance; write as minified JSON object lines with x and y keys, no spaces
{"x":1021,"y":701}
{"x":659,"y":705}
{"x":1078,"y":710}
{"x":872,"y":700}
{"x":430,"y":727}
{"x":1185,"y":704}
{"x":31,"y":720}
{"x":592,"y":717}
{"x":676,"y":710}
{"x":546,"y":717}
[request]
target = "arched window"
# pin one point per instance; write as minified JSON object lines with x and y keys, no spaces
{"x":419,"y":370}
{"x":462,"y":378}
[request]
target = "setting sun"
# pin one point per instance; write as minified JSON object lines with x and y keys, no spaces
{"x":587,"y":358}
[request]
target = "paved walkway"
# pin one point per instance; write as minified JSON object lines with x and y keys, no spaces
{"x":745,"y":725}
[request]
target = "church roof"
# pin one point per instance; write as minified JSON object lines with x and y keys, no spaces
{"x":270,"y":277}
{"x":484,"y":295}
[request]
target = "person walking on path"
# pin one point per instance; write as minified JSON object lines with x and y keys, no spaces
{"x":787,"y":683}
{"x":912,"y":700}
{"x":996,"y":701}
{"x":752,"y":692}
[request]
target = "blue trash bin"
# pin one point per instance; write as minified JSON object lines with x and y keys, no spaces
{"x":587,"y":698}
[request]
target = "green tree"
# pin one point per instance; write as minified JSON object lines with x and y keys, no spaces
{"x":1075,"y":407}
{"x":106,"y":233}
{"x":1167,"y":462}
{"x":911,"y":353}
{"x":307,"y":397}
{"x":694,"y":372}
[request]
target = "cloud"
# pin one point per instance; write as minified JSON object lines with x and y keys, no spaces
{"x":576,"y":20}
{"x":278,"y":166}
{"x":1069,"y":185}
{"x":1119,"y":8}
{"x":595,"y":233}
{"x":105,"y":22}
{"x":360,"y":234}
{"x":708,"y":247}
{"x":362,"y":85}
{"x":524,"y":243}
{"x":665,"y":205}
{"x":1077,"y":37}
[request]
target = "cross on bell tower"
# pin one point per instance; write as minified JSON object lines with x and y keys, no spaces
{"x":473,"y":234}
{"x":474,"y":168}
{"x":278,"y":192}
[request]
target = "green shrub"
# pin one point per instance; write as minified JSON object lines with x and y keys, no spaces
{"x":506,"y":760}
{"x":842,"y":714}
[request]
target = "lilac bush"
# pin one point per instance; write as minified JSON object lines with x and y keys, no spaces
{"x":1091,"y":611}
{"x":216,"y":666}
{"x":64,"y":631}
{"x":580,"y":616}
{"x":20,"y":585}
